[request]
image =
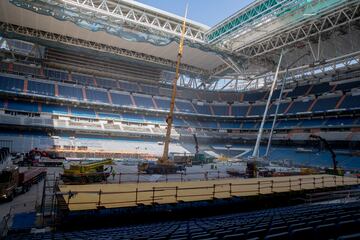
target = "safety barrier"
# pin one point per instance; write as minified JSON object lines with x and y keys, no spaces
{"x":162,"y":193}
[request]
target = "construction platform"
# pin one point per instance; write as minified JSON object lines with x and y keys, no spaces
{"x":106,"y":196}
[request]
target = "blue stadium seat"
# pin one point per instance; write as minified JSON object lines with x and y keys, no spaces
{"x":248,"y":125}
{"x":268,"y":124}
{"x":121,"y":99}
{"x":22,"y":106}
{"x":275,"y":223}
{"x":257,"y":110}
{"x":155,"y":120}
{"x":348,"y":86}
{"x":203,"y":109}
{"x":179,"y":122}
{"x":11,"y":84}
{"x":163,"y":104}
{"x":82,"y":79}
{"x":288,"y":124}
{"x":320,"y":88}
{"x":312,"y":123}
{"x":96,"y":96}
{"x":131,"y":87}
{"x":209,"y":124}
{"x":131,"y":117}
{"x":193,"y":123}
{"x":106,"y":83}
{"x":351,"y":102}
{"x":283,"y":106}
{"x":83,"y":112}
{"x":70,"y":92}
{"x":339,"y":121}
{"x":239,"y":110}
{"x":56,"y":75}
{"x":298,"y":91}
{"x":41,"y":88}
{"x":150,"y":89}
{"x":299,"y":106}
{"x":109,"y":115}
{"x":144,"y":101}
{"x":26,"y":70}
{"x":325,"y":104}
{"x":221,"y":110}
{"x":253,"y":96}
{"x":185,"y":107}
{"x":57,"y":109}
{"x":229,"y":125}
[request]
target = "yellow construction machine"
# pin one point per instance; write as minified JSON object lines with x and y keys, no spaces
{"x":90,"y":172}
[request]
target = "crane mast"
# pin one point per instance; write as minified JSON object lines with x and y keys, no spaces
{"x":169,"y":120}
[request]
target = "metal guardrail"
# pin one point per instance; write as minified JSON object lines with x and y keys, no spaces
{"x":174,"y":194}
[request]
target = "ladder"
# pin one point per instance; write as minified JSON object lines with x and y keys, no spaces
{"x":48,"y":203}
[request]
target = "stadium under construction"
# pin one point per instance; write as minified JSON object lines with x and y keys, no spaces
{"x":119,"y":120}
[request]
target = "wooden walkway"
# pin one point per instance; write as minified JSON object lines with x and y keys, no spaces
{"x":88,"y":197}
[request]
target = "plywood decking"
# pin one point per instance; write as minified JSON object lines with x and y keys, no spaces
{"x":87,"y":197}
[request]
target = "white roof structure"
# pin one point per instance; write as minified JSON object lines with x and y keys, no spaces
{"x":246,"y":46}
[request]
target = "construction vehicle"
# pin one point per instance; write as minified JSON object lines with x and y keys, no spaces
{"x":199,"y":158}
{"x":154,"y":168}
{"x":164,"y":165}
{"x":36,"y":157}
{"x":335,"y":170}
{"x":90,"y":172}
{"x":13,"y":182}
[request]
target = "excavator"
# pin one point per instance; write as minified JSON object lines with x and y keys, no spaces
{"x":335,"y":170}
{"x":163,"y":164}
{"x":84,"y":173}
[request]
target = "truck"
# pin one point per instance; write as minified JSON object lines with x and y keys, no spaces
{"x":13,"y":182}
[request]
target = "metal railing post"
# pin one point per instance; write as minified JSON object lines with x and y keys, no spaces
{"x":218,"y":174}
{"x":136,"y":196}
{"x":99,"y":202}
{"x":314,"y":183}
{"x":138,"y":177}
{"x":166,"y":177}
{"x":259,"y":190}
{"x":181,"y":175}
{"x":290,"y":184}
{"x":119,"y":178}
{"x":230,"y":190}
{"x":214,"y":189}
{"x":343,"y":181}
{"x":272,"y":186}
{"x":153,"y":196}
{"x":69,"y":196}
{"x":176,"y":193}
{"x":323,"y":181}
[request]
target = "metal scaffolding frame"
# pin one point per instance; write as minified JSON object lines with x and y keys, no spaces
{"x":123,"y":13}
{"x":30,"y":33}
{"x":314,"y":28}
{"x":257,"y":12}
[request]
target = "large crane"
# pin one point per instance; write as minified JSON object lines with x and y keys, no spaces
{"x":169,"y":120}
{"x":163,"y":165}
